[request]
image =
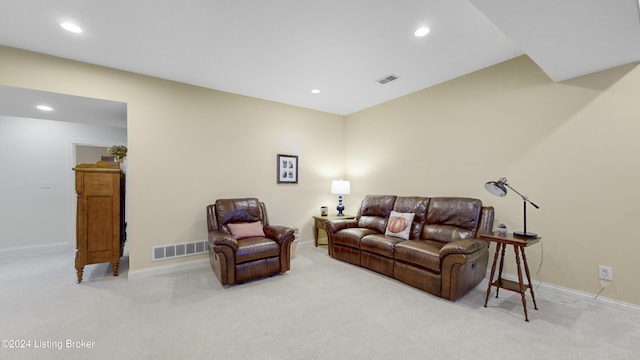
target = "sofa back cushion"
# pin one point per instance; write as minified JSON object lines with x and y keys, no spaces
{"x":374,"y":212}
{"x":452,"y":218}
{"x":418,"y":206}
{"x":247,"y":210}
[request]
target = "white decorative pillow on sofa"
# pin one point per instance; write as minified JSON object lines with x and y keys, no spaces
{"x":399,"y":225}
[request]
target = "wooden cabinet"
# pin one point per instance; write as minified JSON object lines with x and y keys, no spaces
{"x":100,"y":225}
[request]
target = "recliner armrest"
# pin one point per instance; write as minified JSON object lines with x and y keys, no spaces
{"x":219,"y":238}
{"x":278,"y":233}
{"x":463,"y":246}
{"x":336,"y":225}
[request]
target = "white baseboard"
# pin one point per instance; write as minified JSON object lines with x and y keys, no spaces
{"x":168,"y":269}
{"x":54,"y":246}
{"x":305,"y":242}
{"x":573,"y":294}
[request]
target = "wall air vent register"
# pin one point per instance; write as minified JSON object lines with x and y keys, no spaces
{"x":172,"y":251}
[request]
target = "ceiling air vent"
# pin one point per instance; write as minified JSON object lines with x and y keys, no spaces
{"x":387,"y":79}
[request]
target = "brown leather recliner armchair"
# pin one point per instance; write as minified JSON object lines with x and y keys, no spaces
{"x":249,"y":253}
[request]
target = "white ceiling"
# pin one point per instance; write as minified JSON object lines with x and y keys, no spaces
{"x":21,"y":102}
{"x":280,"y":50}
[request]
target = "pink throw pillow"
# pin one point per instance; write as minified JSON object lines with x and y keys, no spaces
{"x":244,"y":230}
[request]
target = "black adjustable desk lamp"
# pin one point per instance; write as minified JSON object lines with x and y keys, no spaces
{"x":499,"y":188}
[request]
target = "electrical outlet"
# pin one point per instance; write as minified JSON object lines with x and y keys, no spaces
{"x":605,"y":272}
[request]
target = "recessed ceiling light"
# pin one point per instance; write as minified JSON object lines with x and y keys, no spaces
{"x":315,"y":91}
{"x":71,"y":27}
{"x":420,"y":32}
{"x":44,"y":107}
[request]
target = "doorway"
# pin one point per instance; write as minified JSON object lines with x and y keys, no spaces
{"x":89,"y":154}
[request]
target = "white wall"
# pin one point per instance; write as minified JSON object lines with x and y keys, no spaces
{"x":32,"y":151}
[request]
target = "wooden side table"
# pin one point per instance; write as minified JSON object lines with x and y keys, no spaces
{"x":502,"y":240}
{"x":319,"y":222}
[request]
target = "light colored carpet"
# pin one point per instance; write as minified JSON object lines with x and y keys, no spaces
{"x":321,"y":309}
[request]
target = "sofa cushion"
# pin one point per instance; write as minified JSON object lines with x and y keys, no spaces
{"x":374,"y":212}
{"x":253,"y":248}
{"x":417,"y":205}
{"x":399,"y":224}
{"x":451,"y":219}
{"x":423,"y":253}
{"x":351,"y":236}
{"x":238,"y":211}
{"x":445,"y":233}
{"x":243,"y":230}
{"x":379,"y":244}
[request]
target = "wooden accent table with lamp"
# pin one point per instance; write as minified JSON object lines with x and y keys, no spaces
{"x":502,"y":240}
{"x":319,"y":222}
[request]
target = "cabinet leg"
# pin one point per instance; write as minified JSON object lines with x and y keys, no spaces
{"x":80,"y":271}
{"x":115,"y":265}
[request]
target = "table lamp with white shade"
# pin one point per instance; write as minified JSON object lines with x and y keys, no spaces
{"x":340,"y":187}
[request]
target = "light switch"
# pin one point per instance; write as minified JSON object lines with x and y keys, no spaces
{"x":45,"y":184}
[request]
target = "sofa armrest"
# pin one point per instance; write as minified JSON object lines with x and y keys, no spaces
{"x":336,"y":225}
{"x":463,"y":246}
{"x":279,"y":233}
{"x":220,"y":238}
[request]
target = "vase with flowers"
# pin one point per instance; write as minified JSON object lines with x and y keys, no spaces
{"x":118,"y":151}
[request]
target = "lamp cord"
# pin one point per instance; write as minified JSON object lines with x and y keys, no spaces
{"x":540,"y":265}
{"x":595,"y":297}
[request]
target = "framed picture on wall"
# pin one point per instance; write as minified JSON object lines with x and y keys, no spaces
{"x":287,"y":169}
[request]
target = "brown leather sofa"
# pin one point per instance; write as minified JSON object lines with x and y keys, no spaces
{"x":442,"y":255}
{"x":247,"y":255}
